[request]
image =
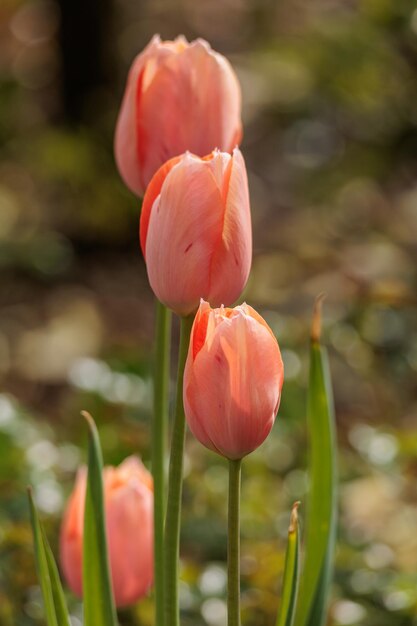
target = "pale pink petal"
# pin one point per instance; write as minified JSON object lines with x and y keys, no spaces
{"x":126,"y":140}
{"x":185,"y":223}
{"x":152,"y":192}
{"x":128,"y":495}
{"x":232,"y":258}
{"x":216,"y":99}
{"x":130,"y":532}
{"x":186,"y":97}
{"x":71,"y":534}
{"x":232,"y":388}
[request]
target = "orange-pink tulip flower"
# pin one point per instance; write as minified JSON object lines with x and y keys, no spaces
{"x":232,"y":380}
{"x":179,"y":96}
{"x":195,"y":230}
{"x":128,"y":495}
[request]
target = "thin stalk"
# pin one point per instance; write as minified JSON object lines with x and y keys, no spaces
{"x":173,"y":517}
{"x":159,"y":446}
{"x":233,"y":545}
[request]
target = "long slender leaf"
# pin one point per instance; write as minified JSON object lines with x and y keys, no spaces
{"x":99,"y":609}
{"x":61,"y":609}
{"x":321,"y":509}
{"x":52,"y":592}
{"x":286,"y":613}
{"x":57,"y":590}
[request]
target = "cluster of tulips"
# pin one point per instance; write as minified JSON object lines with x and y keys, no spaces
{"x":176,"y":144}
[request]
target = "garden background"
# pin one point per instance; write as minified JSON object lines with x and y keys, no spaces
{"x":330,"y":117}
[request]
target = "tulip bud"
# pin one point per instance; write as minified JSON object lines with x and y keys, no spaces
{"x":128,"y":497}
{"x":179,"y":96}
{"x":232,"y":380}
{"x":195,"y":230}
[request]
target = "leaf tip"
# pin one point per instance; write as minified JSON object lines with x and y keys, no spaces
{"x":294,"y":518}
{"x":316,"y":324}
{"x":29,"y":491}
{"x":90,"y":421}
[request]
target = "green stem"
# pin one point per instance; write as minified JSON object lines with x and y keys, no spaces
{"x":159,"y":444}
{"x":173,"y":517}
{"x":233,"y":545}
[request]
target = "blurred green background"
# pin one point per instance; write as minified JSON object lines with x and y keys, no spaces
{"x":329,"y":94}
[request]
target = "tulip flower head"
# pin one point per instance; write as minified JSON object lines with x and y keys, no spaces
{"x":128,"y":495}
{"x":179,"y":96}
{"x":232,"y":380}
{"x":195,"y":230}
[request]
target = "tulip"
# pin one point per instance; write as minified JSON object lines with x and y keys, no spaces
{"x":195,"y":230}
{"x":179,"y":96}
{"x":232,"y":380}
{"x":128,"y":496}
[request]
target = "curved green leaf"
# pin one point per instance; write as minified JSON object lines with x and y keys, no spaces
{"x":99,"y":609}
{"x":57,"y":591}
{"x":321,"y":508}
{"x":286,"y":613}
{"x":52,"y":592}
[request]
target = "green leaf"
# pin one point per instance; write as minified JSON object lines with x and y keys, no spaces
{"x":99,"y":609}
{"x":286,"y":613}
{"x":52,"y":592}
{"x":57,"y":590}
{"x":320,"y":531}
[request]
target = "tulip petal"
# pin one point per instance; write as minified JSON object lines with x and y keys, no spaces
{"x":232,"y":258}
{"x":232,"y":388}
{"x":125,"y":139}
{"x":199,"y":329}
{"x":185,"y":224}
{"x":124,"y":144}
{"x":129,"y":512}
{"x":152,"y":192}
{"x":71,"y":552}
{"x":179,"y":96}
{"x":128,"y":504}
{"x":217,"y":100}
{"x":192,"y":103}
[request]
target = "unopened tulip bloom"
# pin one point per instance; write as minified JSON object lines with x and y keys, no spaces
{"x":128,"y":495}
{"x":195,"y":230}
{"x":179,"y":96}
{"x":233,"y":379}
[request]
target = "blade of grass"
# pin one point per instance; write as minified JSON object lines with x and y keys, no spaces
{"x":321,"y":507}
{"x":99,"y":609}
{"x":57,"y":590}
{"x":53,"y":595}
{"x":286,"y":613}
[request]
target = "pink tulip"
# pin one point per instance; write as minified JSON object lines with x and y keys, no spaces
{"x":179,"y":96}
{"x":128,"y":493}
{"x":195,"y":230}
{"x":232,"y":380}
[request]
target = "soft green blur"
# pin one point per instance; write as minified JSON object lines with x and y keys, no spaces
{"x":330,"y":96}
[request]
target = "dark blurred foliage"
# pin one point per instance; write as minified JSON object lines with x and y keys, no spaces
{"x":330,"y":92}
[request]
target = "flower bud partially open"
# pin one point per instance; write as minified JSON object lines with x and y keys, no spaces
{"x":232,"y":380}
{"x":179,"y":96}
{"x":195,"y":230}
{"x":128,"y":496}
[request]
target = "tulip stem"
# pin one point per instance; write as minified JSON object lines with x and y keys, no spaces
{"x":233,"y":545}
{"x":159,"y":444}
{"x":173,"y":516}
